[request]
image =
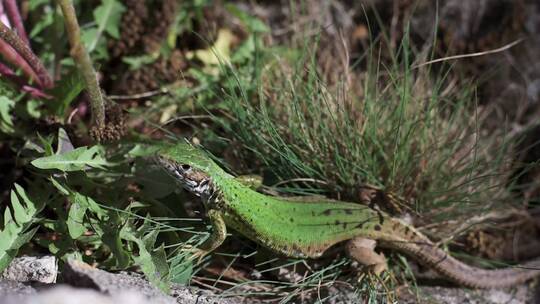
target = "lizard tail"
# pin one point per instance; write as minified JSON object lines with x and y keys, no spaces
{"x":421,"y":249}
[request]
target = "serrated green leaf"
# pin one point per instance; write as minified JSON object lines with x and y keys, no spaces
{"x":111,"y":238}
{"x":66,"y":91}
{"x":108,"y":16}
{"x":143,"y":150}
{"x":60,"y":246}
{"x":8,"y":218}
{"x":79,"y":159}
{"x":62,"y":188}
{"x":32,"y":206}
{"x":244,"y":51}
{"x":75,"y":220}
{"x":77,"y":198}
{"x":6,"y":122}
{"x":33,"y":108}
{"x":15,"y":232}
{"x":153,"y":263}
{"x":30,"y":145}
{"x":18,"y":210}
{"x":23,"y":239}
{"x":6,"y":256}
{"x":33,"y":4}
{"x":136,"y":62}
{"x":181,"y":269}
{"x":23,"y":213}
{"x":111,"y":231}
{"x":45,"y":21}
{"x":73,"y":256}
{"x":9,"y":231}
{"x":253,"y":24}
{"x":53,"y":248}
{"x":160,"y":268}
{"x":88,"y":37}
{"x":88,"y":203}
{"x":150,"y":238}
{"x":46,"y":143}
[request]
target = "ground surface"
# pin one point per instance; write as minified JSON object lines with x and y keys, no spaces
{"x":80,"y":283}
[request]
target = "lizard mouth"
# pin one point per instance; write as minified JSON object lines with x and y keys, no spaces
{"x":171,"y":167}
{"x":191,"y":179}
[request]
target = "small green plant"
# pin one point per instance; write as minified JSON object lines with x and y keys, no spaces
{"x":89,"y":219}
{"x":17,"y":225}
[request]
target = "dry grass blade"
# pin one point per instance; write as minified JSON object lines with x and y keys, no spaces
{"x":477,"y":54}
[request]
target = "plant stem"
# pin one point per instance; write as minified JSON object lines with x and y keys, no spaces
{"x":15,"y":59}
{"x":15,"y":16}
{"x":8,"y":73}
{"x":81,"y":57}
{"x":9,"y":36}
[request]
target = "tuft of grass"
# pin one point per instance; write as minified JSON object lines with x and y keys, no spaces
{"x":408,"y":133}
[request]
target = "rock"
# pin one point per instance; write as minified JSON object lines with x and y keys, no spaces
{"x":79,"y":274}
{"x":32,"y":269}
{"x":70,"y":295}
{"x":14,"y":289}
{"x":447,"y":295}
{"x":83,"y":275}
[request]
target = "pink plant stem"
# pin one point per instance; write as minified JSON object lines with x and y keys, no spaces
{"x":15,"y":17}
{"x":35,"y":92}
{"x":5,"y":70}
{"x":8,"y":73}
{"x":11,"y":56}
{"x":8,"y":36}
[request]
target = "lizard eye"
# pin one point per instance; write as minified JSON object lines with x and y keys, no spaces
{"x":185,"y":167}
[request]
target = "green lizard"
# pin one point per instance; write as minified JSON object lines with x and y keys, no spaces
{"x":305,"y":227}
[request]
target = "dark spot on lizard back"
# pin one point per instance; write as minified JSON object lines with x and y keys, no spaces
{"x":292,"y":220}
{"x":377,"y":228}
{"x":337,"y":222}
{"x":345,"y":225}
{"x":327,"y":212}
{"x":407,"y":231}
{"x":348,"y":211}
{"x":381,"y":217}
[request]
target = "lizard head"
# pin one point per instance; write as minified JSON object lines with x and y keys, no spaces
{"x":190,"y":166}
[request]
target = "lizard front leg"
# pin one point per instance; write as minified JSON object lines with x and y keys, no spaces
{"x":363,"y":250}
{"x":216,"y":238}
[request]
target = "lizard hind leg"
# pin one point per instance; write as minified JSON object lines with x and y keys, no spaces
{"x":363,"y":250}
